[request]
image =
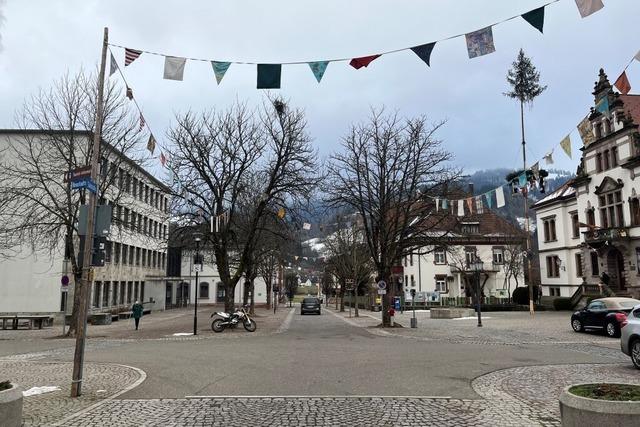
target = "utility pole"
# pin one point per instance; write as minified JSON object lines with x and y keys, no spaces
{"x":85,"y":281}
{"x":198,"y":265}
{"x":525,"y":194}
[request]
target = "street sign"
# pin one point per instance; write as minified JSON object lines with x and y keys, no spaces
{"x":382,"y":285}
{"x":84,"y":183}
{"x":197,"y":267}
{"x":64,"y":281}
{"x":78,"y":174}
{"x":64,"y":288}
{"x":382,"y":291}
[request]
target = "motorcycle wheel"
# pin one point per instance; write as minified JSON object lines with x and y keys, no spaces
{"x":250,"y":325}
{"x":217,"y":326}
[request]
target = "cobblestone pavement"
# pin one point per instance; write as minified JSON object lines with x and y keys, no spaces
{"x":100,"y":381}
{"x":525,"y":396}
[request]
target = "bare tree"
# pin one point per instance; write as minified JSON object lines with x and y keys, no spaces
{"x":513,"y":264}
{"x":223,"y":159}
{"x":290,"y":285}
{"x":385,"y":166}
{"x":39,"y":212}
{"x":328,"y":285}
{"x":458,"y":261}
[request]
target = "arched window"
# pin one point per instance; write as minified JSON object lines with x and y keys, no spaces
{"x":598,"y":129}
{"x":605,"y":158}
{"x":614,"y":157}
{"x":607,"y":126}
{"x":599,"y":162}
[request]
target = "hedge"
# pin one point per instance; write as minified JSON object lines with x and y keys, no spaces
{"x":562,"y":303}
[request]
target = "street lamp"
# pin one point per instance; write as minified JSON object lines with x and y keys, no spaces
{"x":197,"y":266}
{"x":477,"y":267}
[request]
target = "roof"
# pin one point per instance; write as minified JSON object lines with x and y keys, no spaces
{"x":490,"y":224}
{"x":89,"y":134}
{"x":564,"y":192}
{"x":632,"y":105}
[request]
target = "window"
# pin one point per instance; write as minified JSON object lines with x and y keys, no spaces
{"x":605,"y":160}
{"x":134,"y":187}
{"x":614,"y":157}
{"x":634,"y":205}
{"x":611,"y":209}
{"x":441,"y":284}
{"x":145,"y":225}
{"x":591,"y":217}
{"x":96,"y":294}
{"x":141,"y":291}
{"x":575,"y":225}
{"x":138,"y":255}
{"x":440,"y":256}
{"x":554,"y":291}
{"x":595,"y":266}
{"x":596,"y":305}
{"x":131,"y":255}
{"x":127,"y":187}
{"x":129,"y":292}
{"x":599,"y":162}
{"x":116,"y":253}
{"x":204,"y":290}
{"x":122,"y":291}
{"x":579,"y":272}
{"x":470,"y":254}
{"x":120,"y":179}
{"x":144,"y":257}
{"x":115,"y":294}
{"x":549,"y":229}
{"x":125,"y":219}
{"x":470,"y":228}
{"x":498,"y":255}
{"x":125,"y":254}
{"x":136,"y":289}
{"x":411,"y":259}
{"x":598,"y":130}
{"x":141,"y":190}
{"x":413,"y":282}
{"x":106,"y":294}
{"x":553,"y":266}
{"x":607,"y":126}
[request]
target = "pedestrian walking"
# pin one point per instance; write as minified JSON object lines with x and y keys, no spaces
{"x":137,"y":313}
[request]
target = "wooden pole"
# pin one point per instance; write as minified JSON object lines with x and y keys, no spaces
{"x":526,"y":213}
{"x":85,"y":282}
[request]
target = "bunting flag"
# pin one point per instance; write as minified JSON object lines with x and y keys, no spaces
{"x":480,"y":42}
{"x":489,"y":199}
{"x":113,"y":65}
{"x":129,"y":93}
{"x":131,"y":55}
{"x":586,"y":131}
{"x":536,"y":170}
{"x":637,"y":56}
{"x":548,"y":158}
{"x":318,"y":68}
{"x":602,"y":106}
{"x":163,"y":159}
{"x":269,"y":76}
{"x":566,"y":145}
{"x":219,"y":69}
{"x":522,"y":179}
{"x":588,"y":7}
{"x":437,"y":205}
{"x":622,"y":84}
{"x":424,"y":52}
{"x":535,"y":18}
{"x":469,"y":201}
{"x":460,"y":207}
{"x":363,"y":61}
{"x":174,"y":68}
{"x":479,"y":207}
{"x":281,"y":213}
{"x":151,"y":144}
{"x":296,"y":257}
{"x":142,"y":122}
{"x":499,"y":197}
{"x":306,"y":226}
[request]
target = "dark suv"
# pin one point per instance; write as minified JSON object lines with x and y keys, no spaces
{"x":310,"y":305}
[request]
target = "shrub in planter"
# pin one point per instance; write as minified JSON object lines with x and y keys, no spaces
{"x":600,"y":404}
{"x":521,"y":295}
{"x":10,"y":405}
{"x":562,"y":303}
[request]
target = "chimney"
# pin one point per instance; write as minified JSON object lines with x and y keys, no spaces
{"x":471,"y":189}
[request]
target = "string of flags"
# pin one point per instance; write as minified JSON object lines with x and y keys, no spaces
{"x":269,"y":75}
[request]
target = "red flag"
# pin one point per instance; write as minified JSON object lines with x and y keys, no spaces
{"x":622,"y":84}
{"x":129,"y":93}
{"x":142,"y":122}
{"x":163,"y":159}
{"x":130,"y":55}
{"x":363,"y":61}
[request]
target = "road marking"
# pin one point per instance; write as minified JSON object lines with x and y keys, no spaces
{"x":287,"y":322}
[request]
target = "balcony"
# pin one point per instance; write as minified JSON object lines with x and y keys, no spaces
{"x":606,"y":234}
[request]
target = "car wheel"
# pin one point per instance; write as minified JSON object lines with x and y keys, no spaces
{"x":577,"y":325}
{"x":635,"y":353}
{"x":612,"y":330}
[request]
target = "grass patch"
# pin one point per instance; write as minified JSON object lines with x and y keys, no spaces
{"x":5,"y":385}
{"x":616,"y":392}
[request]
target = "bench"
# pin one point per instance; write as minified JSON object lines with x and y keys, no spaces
{"x":38,"y":320}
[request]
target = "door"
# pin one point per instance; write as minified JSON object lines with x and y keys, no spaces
{"x":615,"y":269}
{"x":169,"y":295}
{"x":595,"y":315}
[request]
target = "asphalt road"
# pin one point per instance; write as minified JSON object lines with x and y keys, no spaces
{"x":319,"y":355}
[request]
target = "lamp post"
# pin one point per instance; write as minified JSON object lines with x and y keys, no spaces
{"x":197,"y":266}
{"x":477,"y":268}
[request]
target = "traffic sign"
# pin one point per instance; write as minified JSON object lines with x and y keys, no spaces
{"x":382,"y":285}
{"x":382,"y":291}
{"x":78,"y":174}
{"x":64,"y":281}
{"x":197,"y":267}
{"x":85,"y":183}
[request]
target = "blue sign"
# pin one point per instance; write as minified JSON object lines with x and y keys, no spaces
{"x":85,"y":183}
{"x":396,"y":303}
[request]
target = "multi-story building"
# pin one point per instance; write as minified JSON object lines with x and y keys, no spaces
{"x":606,"y":204}
{"x":136,"y":257}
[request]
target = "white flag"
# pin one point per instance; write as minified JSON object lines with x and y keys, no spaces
{"x":460,"y":207}
{"x":306,"y":226}
{"x":499,"y":197}
{"x":174,"y":67}
{"x":588,"y":7}
{"x":437,"y":205}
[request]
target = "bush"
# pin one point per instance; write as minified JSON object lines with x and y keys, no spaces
{"x":562,"y":303}
{"x":521,"y":295}
{"x":5,"y":385}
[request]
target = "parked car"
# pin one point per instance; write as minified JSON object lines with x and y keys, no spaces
{"x":603,"y":314}
{"x":310,"y":305}
{"x":630,"y":339}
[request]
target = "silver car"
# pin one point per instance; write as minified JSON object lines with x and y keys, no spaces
{"x":630,"y":338}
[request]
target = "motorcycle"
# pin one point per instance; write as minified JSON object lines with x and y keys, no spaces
{"x":231,"y":320}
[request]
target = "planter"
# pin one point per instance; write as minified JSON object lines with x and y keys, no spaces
{"x":584,"y":411}
{"x":11,"y":407}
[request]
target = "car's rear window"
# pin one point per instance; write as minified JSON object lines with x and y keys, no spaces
{"x":309,"y":300}
{"x":628,"y":303}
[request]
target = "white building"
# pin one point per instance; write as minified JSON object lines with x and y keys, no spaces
{"x":136,"y":259}
{"x":607,"y":202}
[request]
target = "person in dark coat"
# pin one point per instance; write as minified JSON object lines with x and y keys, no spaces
{"x":137,"y":313}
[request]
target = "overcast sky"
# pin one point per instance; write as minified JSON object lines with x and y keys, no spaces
{"x":42,"y":39}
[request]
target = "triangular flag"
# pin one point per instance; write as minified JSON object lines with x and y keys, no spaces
{"x":219,"y":69}
{"x":269,"y":76}
{"x":622,"y":84}
{"x":151,"y":144}
{"x":424,"y":52}
{"x":586,"y":131}
{"x":535,"y":18}
{"x":489,"y":199}
{"x":499,"y":197}
{"x":318,"y":68}
{"x":296,"y":257}
{"x":637,"y":56}
{"x":281,"y":213}
{"x":130,"y":55}
{"x":460,"y":207}
{"x":363,"y":61}
{"x":174,"y":67}
{"x":129,"y":93}
{"x":163,"y":159}
{"x":548,"y":158}
{"x":566,"y":145}
{"x":480,"y":42}
{"x":142,"y":122}
{"x":470,"y":204}
{"x":113,"y":66}
{"x":588,"y":7}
